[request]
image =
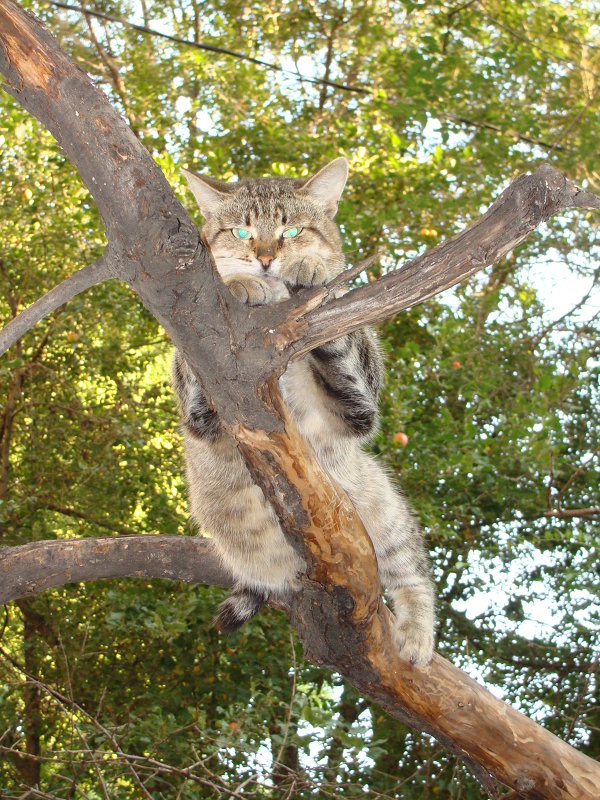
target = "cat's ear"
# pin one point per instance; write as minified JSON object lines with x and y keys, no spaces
{"x":328,"y":184}
{"x":209,"y":193}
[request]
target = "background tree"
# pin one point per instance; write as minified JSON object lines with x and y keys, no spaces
{"x":495,"y":386}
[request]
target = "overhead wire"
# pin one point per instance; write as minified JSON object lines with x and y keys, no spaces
{"x":297,"y":75}
{"x":211,"y":48}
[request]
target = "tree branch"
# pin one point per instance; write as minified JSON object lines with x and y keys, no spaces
{"x":525,"y":204}
{"x":567,"y":513}
{"x":81,"y":280}
{"x":33,"y":568}
{"x":440,"y":699}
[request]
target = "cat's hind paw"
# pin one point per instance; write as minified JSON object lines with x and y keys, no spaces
{"x":241,"y":605}
{"x":308,"y":271}
{"x":414,"y":642}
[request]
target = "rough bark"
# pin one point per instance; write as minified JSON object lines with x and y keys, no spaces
{"x":33,"y":568}
{"x":525,"y":204}
{"x":237,"y":354}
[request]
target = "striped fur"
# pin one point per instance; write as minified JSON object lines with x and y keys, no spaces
{"x":332,"y":395}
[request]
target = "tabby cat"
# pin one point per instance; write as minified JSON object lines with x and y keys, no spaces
{"x":268,"y":237}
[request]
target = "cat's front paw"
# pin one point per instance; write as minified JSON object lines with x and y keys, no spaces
{"x":249,"y":289}
{"x":308,"y":271}
{"x":414,"y":641}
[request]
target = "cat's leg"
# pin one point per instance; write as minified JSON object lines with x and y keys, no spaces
{"x":401,"y":556}
{"x":349,"y":370}
{"x":225,"y":502}
{"x":405,"y":572}
{"x":242,"y":604}
{"x":246,"y":534}
{"x":196,"y":414}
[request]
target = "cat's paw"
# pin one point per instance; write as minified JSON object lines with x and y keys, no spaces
{"x":414,"y":641}
{"x":249,"y":289}
{"x":278,"y":287}
{"x":308,"y":271}
{"x":241,"y":605}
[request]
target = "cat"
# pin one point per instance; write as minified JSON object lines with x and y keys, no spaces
{"x":270,"y":237}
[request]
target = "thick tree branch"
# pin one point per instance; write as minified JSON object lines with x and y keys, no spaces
{"x":349,"y":629}
{"x":525,"y":204}
{"x":152,"y":242}
{"x":75,"y":284}
{"x":32,"y":568}
{"x":237,"y":354}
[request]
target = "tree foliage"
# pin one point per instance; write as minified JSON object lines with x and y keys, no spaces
{"x":495,"y":385}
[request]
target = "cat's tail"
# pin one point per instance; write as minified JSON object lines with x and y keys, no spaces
{"x":241,"y":605}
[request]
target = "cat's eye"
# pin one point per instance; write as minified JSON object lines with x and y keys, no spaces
{"x":241,"y":233}
{"x":291,"y":232}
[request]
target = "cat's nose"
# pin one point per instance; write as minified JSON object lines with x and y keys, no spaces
{"x":265,"y":259}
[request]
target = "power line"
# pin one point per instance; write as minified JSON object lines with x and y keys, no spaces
{"x":522,"y":137}
{"x":144,"y":29}
{"x":211,"y":48}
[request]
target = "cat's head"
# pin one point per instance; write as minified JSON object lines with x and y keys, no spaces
{"x":255,"y":226}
